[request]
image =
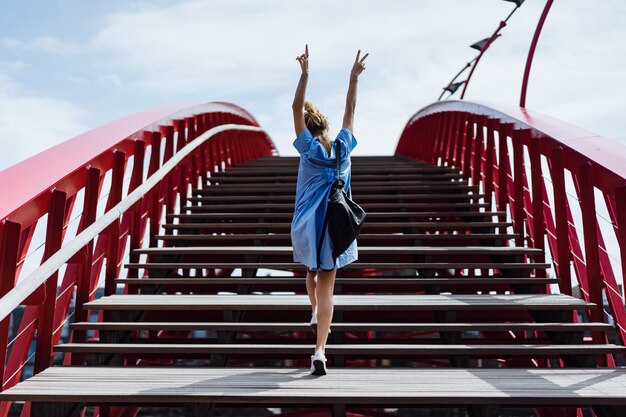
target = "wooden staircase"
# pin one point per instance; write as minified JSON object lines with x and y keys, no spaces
{"x":440,"y":310}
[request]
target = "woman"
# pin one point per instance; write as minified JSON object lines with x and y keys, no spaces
{"x":316,"y":173}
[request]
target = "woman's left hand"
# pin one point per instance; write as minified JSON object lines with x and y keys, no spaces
{"x":304,"y":60}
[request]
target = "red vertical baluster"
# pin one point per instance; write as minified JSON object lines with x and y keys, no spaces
{"x":503,"y":158}
{"x":10,"y":238}
{"x":441,"y":146}
{"x":620,"y":220}
{"x":539,"y":227}
{"x":518,"y":187}
{"x":54,"y":238}
{"x":468,"y":145}
{"x":490,"y":161}
{"x":592,"y":259}
{"x":228,"y":149}
{"x":135,"y":229}
{"x":155,"y":206}
{"x":563,"y":255}
{"x":83,"y":275}
{"x":181,"y":170}
{"x":450,"y":139}
{"x":191,"y":128}
{"x":477,"y":170}
{"x":460,"y":141}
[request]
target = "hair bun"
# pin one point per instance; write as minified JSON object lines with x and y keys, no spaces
{"x":310,"y":107}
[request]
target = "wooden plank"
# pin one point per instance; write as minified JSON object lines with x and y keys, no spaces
{"x":393,"y":207}
{"x":251,"y":171}
{"x":370,"y":215}
{"x":378,"y":350}
{"x":409,"y":281}
{"x":433,"y":225}
{"x":352,"y":386}
{"x":344,"y":327}
{"x":357,"y":190}
{"x":291,"y":266}
{"x":223,"y":177}
{"x":361,"y":185}
{"x":363,"y":250}
{"x":358,"y":198}
{"x":364,"y":237}
{"x":395,"y":302}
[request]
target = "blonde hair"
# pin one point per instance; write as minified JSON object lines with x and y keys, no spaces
{"x":317,"y":124}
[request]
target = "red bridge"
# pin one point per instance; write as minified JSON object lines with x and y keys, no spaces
{"x":146,"y":268}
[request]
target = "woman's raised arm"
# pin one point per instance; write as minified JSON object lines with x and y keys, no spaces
{"x":357,"y":69}
{"x":298,"y":100}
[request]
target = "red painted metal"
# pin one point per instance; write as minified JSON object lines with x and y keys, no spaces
{"x":531,"y":52}
{"x":596,"y":165}
{"x":48,"y":185}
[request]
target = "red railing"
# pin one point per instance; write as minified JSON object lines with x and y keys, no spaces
{"x":561,"y":185}
{"x":63,"y":190}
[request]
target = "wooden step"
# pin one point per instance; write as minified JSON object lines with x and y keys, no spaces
{"x":391,"y":207}
{"x":387,"y":266}
{"x":235,"y":239}
{"x":223,"y":177}
{"x":396,"y":302}
{"x":273,"y":189}
{"x":343,"y":327}
{"x":368,"y":225}
{"x":461,"y":285}
{"x":374,"y":350}
{"x":356,"y":170}
{"x":363,"y":250}
{"x":356,"y":159}
{"x":364,"y":198}
{"x":408,"y":281}
{"x":228,"y":216}
{"x":357,"y":191}
{"x":360,"y":184}
{"x":393,"y":387}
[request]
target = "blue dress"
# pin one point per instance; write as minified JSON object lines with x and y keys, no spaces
{"x":316,"y":173}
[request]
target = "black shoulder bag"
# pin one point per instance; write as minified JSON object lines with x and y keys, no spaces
{"x":344,"y":218}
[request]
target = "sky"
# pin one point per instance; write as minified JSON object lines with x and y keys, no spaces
{"x":67,"y":66}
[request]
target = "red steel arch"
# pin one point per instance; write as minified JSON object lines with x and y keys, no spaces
{"x":524,"y":161}
{"x":92,"y":168}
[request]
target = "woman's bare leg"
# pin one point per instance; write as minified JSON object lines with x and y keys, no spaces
{"x":310,"y":289}
{"x":324,"y":292}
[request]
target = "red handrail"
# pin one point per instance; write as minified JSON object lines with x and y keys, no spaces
{"x":84,"y":168}
{"x":506,"y":149}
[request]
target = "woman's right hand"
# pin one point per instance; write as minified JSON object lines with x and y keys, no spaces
{"x":304,"y":60}
{"x":358,"y":67}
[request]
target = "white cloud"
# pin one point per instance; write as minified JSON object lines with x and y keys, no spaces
{"x":12,"y":66}
{"x":46,"y":43}
{"x":155,"y":52}
{"x":111,"y":80}
{"x":244,"y":51}
{"x":31,"y":123}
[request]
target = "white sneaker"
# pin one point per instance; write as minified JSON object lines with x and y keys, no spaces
{"x":318,"y":363}
{"x":313,"y":323}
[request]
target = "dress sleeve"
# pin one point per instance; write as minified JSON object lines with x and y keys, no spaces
{"x":303,"y":142}
{"x":348,"y":139}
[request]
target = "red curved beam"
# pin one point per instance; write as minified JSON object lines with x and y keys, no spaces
{"x":28,"y":182}
{"x":474,"y":137}
{"x":480,"y":55}
{"x":531,"y":52}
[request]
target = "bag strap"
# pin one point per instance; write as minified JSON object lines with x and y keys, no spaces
{"x":338,"y":158}
{"x":325,"y":225}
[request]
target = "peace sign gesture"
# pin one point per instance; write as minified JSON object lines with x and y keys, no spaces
{"x":358,"y":66}
{"x":304,"y":60}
